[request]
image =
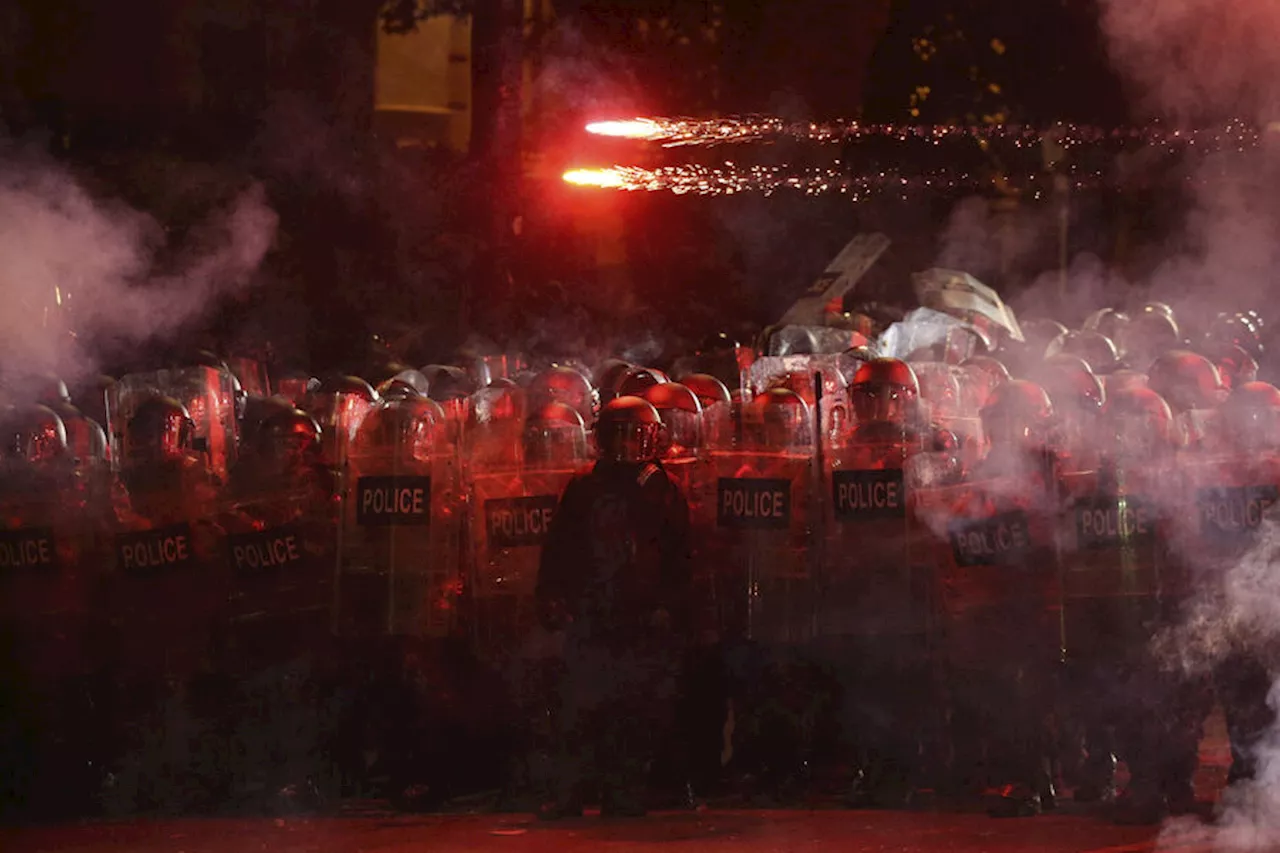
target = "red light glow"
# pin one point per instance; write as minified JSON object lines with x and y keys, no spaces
{"x":640,"y":128}
{"x":611,"y":179}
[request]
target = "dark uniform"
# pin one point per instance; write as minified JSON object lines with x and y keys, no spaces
{"x":615,"y":578}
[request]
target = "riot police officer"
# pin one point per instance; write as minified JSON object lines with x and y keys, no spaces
{"x":876,"y":598}
{"x":1243,"y":679}
{"x":47,"y":582}
{"x":339,"y":405}
{"x":1000,"y":601}
{"x":281,"y":551}
{"x":168,"y":582}
{"x":615,"y":578}
{"x":1115,"y":524}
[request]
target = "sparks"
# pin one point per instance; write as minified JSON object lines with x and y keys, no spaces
{"x":730,"y":178}
{"x":675,"y":132}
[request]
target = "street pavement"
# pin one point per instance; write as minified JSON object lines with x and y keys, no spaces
{"x":856,"y":832}
{"x":1070,"y":830}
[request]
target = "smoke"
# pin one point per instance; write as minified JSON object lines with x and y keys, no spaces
{"x":1226,"y":256}
{"x":83,"y":272}
{"x":580,"y":74}
{"x":1197,"y":60}
{"x":1237,"y":616}
{"x":1193,"y":63}
{"x":1201,"y":63}
{"x":986,"y":243}
{"x":1018,"y":251}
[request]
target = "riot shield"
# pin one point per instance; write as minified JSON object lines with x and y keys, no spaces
{"x":50,"y":656}
{"x":1001,"y":633}
{"x":1111,"y":535}
{"x":278,"y":652}
{"x":46,"y":580}
{"x":999,"y":586}
{"x":510,"y":513}
{"x":252,"y":375}
{"x":877,"y":619}
{"x":280,"y":552}
{"x":695,"y":476}
{"x":398,"y":592}
{"x":877,"y":575}
{"x":168,"y":581}
{"x":1112,"y":532}
{"x":1212,"y":598}
{"x":167,"y":597}
{"x":958,"y":414}
{"x":1222,"y":501}
{"x":400,"y":536}
{"x":763,"y":530}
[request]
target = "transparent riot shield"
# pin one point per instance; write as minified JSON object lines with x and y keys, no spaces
{"x":52,"y":649}
{"x":877,"y":606}
{"x":278,"y":651}
{"x":877,"y":576}
{"x":281,"y":541}
{"x":168,"y":580}
{"x":1225,"y":500}
{"x":490,"y":437}
{"x":510,"y":514}
{"x":1000,"y":627}
{"x":1219,"y":557}
{"x":46,"y":581}
{"x":503,"y":366}
{"x":696,"y":478}
{"x":1111,"y":535}
{"x":399,"y":587}
{"x":999,"y":586}
{"x":209,"y":397}
{"x":950,"y":396}
{"x":762,"y":527}
{"x":401,"y":528}
{"x":252,"y":375}
{"x":1112,"y":530}
{"x":167,"y":597}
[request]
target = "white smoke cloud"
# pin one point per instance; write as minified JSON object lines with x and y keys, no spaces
{"x":985,"y":243}
{"x":580,"y":75}
{"x":1226,"y":257}
{"x":80,"y":270}
{"x":1201,"y":63}
{"x":1239,"y":614}
{"x":1198,"y":60}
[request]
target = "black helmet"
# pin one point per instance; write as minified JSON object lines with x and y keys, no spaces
{"x":629,"y":429}
{"x":160,"y":429}
{"x":288,"y":434}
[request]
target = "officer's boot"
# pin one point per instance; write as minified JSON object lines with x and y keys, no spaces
{"x":1097,"y":775}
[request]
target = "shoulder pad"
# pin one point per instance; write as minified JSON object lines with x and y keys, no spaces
{"x":647,"y":474}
